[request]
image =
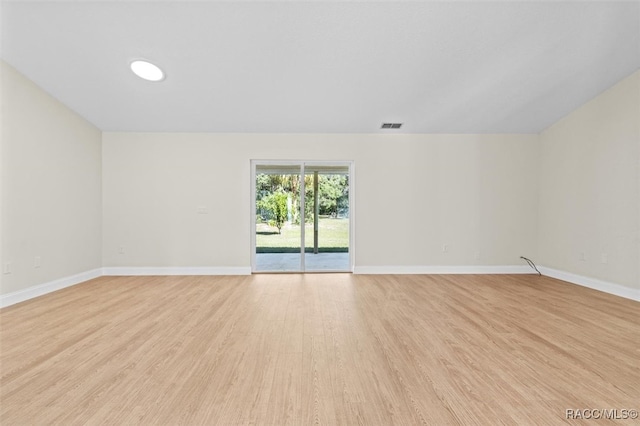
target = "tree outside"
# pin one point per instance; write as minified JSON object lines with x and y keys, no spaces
{"x":275,"y":204}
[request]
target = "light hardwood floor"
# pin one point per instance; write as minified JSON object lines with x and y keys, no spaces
{"x":318,"y":349}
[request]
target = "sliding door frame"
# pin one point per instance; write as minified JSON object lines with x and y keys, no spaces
{"x":301,"y":164}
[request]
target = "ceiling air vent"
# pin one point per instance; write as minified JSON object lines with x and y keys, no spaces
{"x":391,"y":125}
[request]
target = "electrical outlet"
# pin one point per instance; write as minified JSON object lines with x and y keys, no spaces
{"x":445,"y":248}
{"x":477,"y":255}
{"x":202,"y":210}
{"x":37,"y":262}
{"x":604,"y":258}
{"x":120,"y":249}
{"x":581,"y":256}
{"x":6,"y":269}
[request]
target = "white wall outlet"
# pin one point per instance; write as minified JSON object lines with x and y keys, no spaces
{"x":6,"y":268}
{"x":604,"y":258}
{"x":120,"y":249}
{"x":37,"y":262}
{"x":477,"y":255}
{"x":202,"y":210}
{"x":445,"y":248}
{"x":581,"y":256}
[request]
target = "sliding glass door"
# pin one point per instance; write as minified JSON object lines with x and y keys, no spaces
{"x":301,"y":216}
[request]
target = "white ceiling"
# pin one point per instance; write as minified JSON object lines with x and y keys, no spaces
{"x":323,"y":67}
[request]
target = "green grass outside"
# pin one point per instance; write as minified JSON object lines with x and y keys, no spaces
{"x":333,"y":237}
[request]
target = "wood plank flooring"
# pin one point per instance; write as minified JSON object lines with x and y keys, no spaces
{"x":334,"y":349}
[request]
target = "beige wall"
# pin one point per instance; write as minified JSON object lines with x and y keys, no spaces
{"x":51,"y":186}
{"x":590,"y":188}
{"x":414,"y":193}
{"x":573,"y":189}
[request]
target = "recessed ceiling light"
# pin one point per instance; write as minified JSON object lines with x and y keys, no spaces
{"x":147,"y":71}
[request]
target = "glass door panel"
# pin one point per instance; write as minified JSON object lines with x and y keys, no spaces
{"x":278,"y":229}
{"x":327,"y":227}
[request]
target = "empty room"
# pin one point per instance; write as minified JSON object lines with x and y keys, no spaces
{"x":319,"y":212}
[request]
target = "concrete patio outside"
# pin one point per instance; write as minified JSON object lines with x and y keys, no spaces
{"x":290,"y":262}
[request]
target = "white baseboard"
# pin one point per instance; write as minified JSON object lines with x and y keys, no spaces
{"x":42,"y":289}
{"x":472,"y":269}
{"x":124,"y":271}
{"x":593,"y":283}
{"x":45,"y":288}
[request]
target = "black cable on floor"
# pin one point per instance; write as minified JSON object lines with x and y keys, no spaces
{"x":530,"y":262}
